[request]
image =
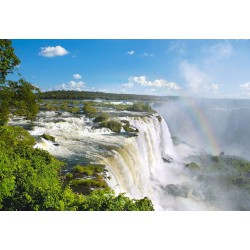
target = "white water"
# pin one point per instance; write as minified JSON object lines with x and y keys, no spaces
{"x":136,"y":164}
{"x":139,"y":170}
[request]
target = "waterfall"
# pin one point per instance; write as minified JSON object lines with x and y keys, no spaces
{"x":140,"y":164}
{"x":139,"y":167}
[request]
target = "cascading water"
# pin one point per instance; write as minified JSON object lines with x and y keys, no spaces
{"x":139,"y":167}
{"x":140,"y":164}
{"x":147,"y":165}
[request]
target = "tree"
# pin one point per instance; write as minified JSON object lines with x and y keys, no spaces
{"x":19,"y":96}
{"x":8,"y":59}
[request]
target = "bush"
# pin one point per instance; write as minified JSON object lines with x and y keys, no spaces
{"x":78,"y":169}
{"x":69,"y":176}
{"x":48,"y":137}
{"x":141,"y":107}
{"x":88,"y":183}
{"x":127,"y":128}
{"x":89,"y":110}
{"x":102,"y":117}
{"x":89,"y":170}
{"x":113,"y":125}
{"x":105,"y":200}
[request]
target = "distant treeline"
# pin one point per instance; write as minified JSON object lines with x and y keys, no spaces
{"x":78,"y":95}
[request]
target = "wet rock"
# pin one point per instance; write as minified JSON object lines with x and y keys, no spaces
{"x":177,"y":190}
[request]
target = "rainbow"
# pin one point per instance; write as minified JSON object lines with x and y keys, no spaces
{"x":200,"y":119}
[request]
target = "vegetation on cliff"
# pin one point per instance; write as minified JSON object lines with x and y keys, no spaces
{"x":31,"y":179}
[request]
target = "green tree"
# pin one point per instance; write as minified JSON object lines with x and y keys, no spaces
{"x":8,"y":59}
{"x":18,"y":96}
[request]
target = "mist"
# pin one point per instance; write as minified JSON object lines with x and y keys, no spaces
{"x":228,"y":119}
{"x":215,"y":179}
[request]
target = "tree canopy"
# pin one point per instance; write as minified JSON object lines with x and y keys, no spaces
{"x":17,"y":97}
{"x":8,"y":59}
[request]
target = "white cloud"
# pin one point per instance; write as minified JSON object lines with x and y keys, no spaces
{"x":159,"y":83}
{"x":72,"y":85}
{"x":245,"y":86}
{"x":198,"y":81}
{"x":147,"y":55}
{"x":178,"y":47}
{"x":214,"y":86}
{"x":53,"y":51}
{"x":132,"y":52}
{"x":219,"y":50}
{"x":128,"y":85}
{"x":77,"y":76}
{"x":194,"y":77}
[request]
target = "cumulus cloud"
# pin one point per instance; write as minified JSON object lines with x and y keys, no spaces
{"x":245,"y":86}
{"x":159,"y":83}
{"x":132,"y":52}
{"x":72,"y":85}
{"x":198,"y":81}
{"x":77,"y":76}
{"x":53,"y":51}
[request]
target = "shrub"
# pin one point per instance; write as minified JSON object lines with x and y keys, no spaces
{"x":78,"y":169}
{"x":88,"y":183}
{"x":113,"y":125}
{"x":48,"y":137}
{"x":102,"y":117}
{"x":141,"y":107}
{"x":69,"y":175}
{"x":105,"y":200}
{"x":89,"y":110}
{"x":127,"y":128}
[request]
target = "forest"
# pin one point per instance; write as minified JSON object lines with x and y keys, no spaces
{"x":78,"y":95}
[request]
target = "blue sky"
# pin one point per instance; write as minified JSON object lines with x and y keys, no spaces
{"x":202,"y":68}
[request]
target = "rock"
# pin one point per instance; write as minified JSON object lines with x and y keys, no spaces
{"x":177,"y":190}
{"x":167,"y":158}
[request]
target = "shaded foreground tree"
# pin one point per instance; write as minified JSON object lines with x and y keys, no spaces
{"x":17,"y":97}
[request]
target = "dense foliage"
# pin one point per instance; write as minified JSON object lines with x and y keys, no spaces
{"x":8,"y":59}
{"x":30,"y":180}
